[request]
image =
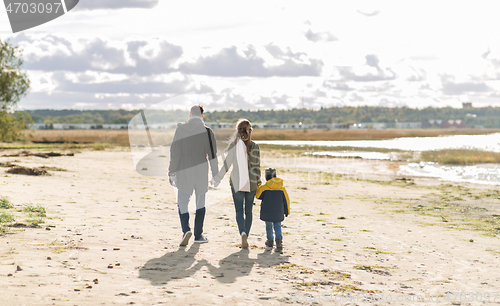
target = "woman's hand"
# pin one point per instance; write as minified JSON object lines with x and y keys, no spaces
{"x":173,"y":180}
{"x":214,"y":183}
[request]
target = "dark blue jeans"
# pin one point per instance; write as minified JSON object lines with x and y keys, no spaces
{"x":183,"y":200}
{"x":244,"y":221}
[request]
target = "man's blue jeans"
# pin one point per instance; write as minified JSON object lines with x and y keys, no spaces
{"x":183,"y":200}
{"x":244,"y":221}
{"x":277,"y":230}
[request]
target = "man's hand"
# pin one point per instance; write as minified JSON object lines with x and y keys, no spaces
{"x":173,"y":180}
{"x":214,"y":183}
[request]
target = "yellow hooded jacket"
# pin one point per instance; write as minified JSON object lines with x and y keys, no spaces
{"x":273,"y":184}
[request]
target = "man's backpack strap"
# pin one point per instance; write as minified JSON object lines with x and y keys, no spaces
{"x":211,"y":146}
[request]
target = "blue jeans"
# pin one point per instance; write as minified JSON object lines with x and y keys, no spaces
{"x":244,"y":222}
{"x":183,"y":200}
{"x":277,"y":230}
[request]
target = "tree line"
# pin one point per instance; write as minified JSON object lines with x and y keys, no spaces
{"x":488,"y":117}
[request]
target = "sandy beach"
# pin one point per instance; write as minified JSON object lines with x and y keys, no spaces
{"x":358,"y":234}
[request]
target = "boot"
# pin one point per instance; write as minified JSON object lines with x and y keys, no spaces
{"x":279,"y":243}
{"x":269,"y":243}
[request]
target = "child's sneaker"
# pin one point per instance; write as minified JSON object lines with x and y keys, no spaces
{"x":269,"y":244}
{"x":279,"y":243}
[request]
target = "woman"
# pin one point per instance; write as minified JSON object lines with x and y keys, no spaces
{"x":244,"y":155}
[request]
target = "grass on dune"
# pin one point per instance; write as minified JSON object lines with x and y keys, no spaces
{"x":5,"y":203}
{"x":271,"y":134}
{"x":461,"y":156}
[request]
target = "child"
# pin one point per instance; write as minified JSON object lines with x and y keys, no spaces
{"x":275,"y":204}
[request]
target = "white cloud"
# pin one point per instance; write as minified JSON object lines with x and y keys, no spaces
{"x":320,"y":36}
{"x":238,"y":62}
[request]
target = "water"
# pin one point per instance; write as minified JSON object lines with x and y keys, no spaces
{"x":480,"y":174}
{"x":489,"y":142}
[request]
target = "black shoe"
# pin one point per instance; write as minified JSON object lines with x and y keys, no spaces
{"x":201,"y":240}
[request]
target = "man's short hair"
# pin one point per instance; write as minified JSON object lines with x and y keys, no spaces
{"x":197,"y":110}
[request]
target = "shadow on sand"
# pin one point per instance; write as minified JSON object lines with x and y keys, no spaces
{"x":183,"y":264}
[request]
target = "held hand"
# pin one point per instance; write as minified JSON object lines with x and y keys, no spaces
{"x":173,"y":180}
{"x":214,"y":183}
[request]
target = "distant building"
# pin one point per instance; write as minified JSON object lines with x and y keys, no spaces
{"x":78,"y":126}
{"x":433,"y":124}
{"x":466,"y":104}
{"x":443,"y":124}
{"x":408,"y":125}
{"x":454,"y":124}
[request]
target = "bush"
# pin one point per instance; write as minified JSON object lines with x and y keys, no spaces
{"x":6,"y":217}
{"x":35,"y":210}
{"x":5,"y":203}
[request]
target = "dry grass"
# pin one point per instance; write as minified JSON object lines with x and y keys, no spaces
{"x":461,"y":156}
{"x":121,"y":137}
{"x":259,"y":134}
{"x":116,"y":137}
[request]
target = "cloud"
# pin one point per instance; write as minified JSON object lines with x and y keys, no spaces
{"x":417,"y":75}
{"x":70,"y":90}
{"x":89,"y":101}
{"x":161,"y":62}
{"x":275,"y":102}
{"x":137,"y":57}
{"x":115,"y":4}
{"x":128,"y":87}
{"x":378,"y":87}
{"x":371,"y":73}
{"x":21,"y":37}
{"x":335,"y":85}
{"x":320,"y":36}
{"x":146,"y":58}
{"x":391,"y":102}
{"x":485,"y":54}
{"x":372,"y":14}
{"x":424,"y":57}
{"x":232,"y":62}
{"x":227,"y":99}
{"x":372,"y":61}
{"x":354,"y":97}
{"x":452,"y":88}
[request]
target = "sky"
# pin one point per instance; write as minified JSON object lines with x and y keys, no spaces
{"x":230,"y":55}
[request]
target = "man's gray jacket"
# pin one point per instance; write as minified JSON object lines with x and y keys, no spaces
{"x":189,"y":155}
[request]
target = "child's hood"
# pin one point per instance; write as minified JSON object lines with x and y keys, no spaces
{"x":275,"y":183}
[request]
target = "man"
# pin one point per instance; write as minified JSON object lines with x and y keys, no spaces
{"x":193,"y":142}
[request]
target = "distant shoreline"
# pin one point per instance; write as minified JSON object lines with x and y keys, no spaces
{"x":121,"y":138}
